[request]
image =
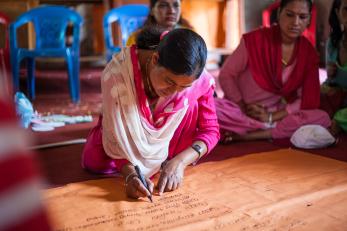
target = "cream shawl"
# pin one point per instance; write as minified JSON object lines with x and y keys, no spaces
{"x":130,"y":130}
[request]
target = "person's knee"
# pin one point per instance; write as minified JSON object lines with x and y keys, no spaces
{"x":96,"y":161}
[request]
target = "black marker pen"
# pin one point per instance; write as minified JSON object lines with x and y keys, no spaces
{"x":143,"y":181}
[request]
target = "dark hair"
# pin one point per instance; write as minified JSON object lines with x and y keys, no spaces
{"x":150,"y":21}
{"x":335,"y":29}
{"x":284,"y":3}
{"x":182,"y":51}
{"x":148,"y":37}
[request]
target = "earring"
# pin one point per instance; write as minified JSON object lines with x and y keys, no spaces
{"x":342,"y":27}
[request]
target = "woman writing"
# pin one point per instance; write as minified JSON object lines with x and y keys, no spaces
{"x":158,"y":111}
{"x":165,"y":14}
{"x":271,"y":82}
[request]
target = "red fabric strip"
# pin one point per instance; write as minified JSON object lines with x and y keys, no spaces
{"x":36,"y":222}
{"x":7,"y":112}
{"x":16,"y":170}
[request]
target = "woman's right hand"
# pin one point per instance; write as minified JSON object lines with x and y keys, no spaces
{"x":257,"y":112}
{"x":331,"y":70}
{"x":135,"y":189}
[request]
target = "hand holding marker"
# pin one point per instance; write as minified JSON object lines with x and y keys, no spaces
{"x":143,"y":181}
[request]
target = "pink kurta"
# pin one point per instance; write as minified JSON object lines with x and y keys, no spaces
{"x":238,"y":85}
{"x":199,"y":122}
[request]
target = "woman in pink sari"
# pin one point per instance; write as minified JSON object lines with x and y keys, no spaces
{"x":158,"y":111}
{"x":271,"y":82}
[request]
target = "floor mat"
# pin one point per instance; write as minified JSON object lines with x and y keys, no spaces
{"x":279,"y":190}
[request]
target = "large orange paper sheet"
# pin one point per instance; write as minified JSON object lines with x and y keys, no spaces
{"x":279,"y":190}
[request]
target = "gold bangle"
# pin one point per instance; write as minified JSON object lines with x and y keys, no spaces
{"x":132,"y":175}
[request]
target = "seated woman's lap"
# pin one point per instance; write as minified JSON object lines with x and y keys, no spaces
{"x":287,"y":126}
{"x":232,"y":119}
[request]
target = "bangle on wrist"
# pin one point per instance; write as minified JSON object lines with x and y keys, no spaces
{"x":129,"y":177}
{"x":198,"y":150}
{"x":270,"y":118}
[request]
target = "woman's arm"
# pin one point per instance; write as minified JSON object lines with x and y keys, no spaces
{"x":206,"y":137}
{"x":208,"y":128}
{"x":233,"y":66}
{"x":172,"y":173}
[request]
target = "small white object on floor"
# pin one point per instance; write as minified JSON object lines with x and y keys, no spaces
{"x":48,"y":123}
{"x":45,"y":123}
{"x":312,"y":136}
{"x":41,"y":128}
{"x":38,"y":125}
{"x":67,"y":119}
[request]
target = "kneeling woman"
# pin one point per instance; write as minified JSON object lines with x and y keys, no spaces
{"x":158,"y":111}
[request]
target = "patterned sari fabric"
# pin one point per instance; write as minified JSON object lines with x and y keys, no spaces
{"x":130,"y":131}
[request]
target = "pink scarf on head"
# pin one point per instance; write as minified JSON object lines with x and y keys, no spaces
{"x":265,"y":54}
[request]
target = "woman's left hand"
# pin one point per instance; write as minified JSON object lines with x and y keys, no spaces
{"x":257,"y":112}
{"x":171,"y":176}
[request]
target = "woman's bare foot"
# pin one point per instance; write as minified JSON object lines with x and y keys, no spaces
{"x":229,"y":137}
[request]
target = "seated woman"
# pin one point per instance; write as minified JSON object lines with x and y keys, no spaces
{"x":270,"y":81}
{"x":163,"y":13}
{"x":158,"y":111}
{"x":335,"y":87}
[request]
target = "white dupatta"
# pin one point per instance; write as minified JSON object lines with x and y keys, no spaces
{"x":128,"y":133}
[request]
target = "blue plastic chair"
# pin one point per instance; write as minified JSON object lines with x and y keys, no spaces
{"x":129,"y":17}
{"x":50,"y":24}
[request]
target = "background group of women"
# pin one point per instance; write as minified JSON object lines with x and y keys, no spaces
{"x":159,"y":112}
